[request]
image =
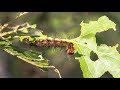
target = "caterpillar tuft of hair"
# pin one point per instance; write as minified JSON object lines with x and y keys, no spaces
{"x":52,"y":43}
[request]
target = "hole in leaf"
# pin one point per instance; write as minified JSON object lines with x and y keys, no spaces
{"x":93,"y":56}
{"x":78,"y":55}
{"x":107,"y":37}
{"x":106,"y":75}
{"x":85,"y":43}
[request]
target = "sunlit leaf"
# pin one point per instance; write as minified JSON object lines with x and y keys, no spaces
{"x":33,"y":26}
{"x":108,"y":57}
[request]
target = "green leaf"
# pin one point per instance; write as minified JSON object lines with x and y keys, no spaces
{"x":3,"y":43}
{"x":30,"y":30}
{"x":31,"y":57}
{"x":108,"y":57}
{"x":25,"y":30}
{"x":22,"y":37}
{"x":33,"y":26}
{"x":103,"y":24}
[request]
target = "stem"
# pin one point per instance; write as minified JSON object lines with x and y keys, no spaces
{"x":57,"y":71}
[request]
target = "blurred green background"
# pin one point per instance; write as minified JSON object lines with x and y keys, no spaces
{"x":56,"y":25}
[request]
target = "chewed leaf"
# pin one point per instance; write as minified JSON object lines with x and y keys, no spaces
{"x":22,"y":37}
{"x":30,"y":30}
{"x":108,"y":57}
{"x":103,"y":24}
{"x":28,"y":56}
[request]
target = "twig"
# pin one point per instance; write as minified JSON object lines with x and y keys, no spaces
{"x":57,"y":71}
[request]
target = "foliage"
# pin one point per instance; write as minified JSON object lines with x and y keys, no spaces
{"x":108,"y":57}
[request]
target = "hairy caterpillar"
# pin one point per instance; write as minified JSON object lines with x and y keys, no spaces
{"x":52,"y":43}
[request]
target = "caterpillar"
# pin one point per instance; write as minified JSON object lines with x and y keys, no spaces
{"x":52,"y":43}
